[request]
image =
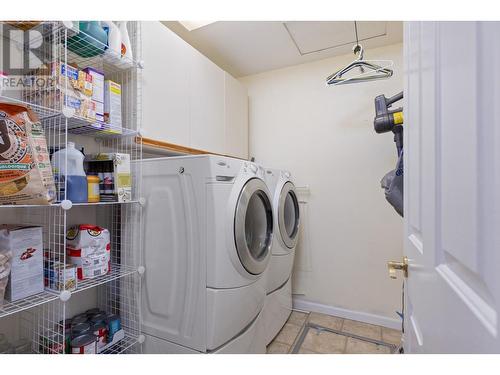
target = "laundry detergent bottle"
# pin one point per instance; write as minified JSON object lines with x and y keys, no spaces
{"x":126,"y":46}
{"x":114,"y":40}
{"x":67,"y":165}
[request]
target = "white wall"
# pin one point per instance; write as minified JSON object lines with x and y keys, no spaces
{"x":325,"y":137}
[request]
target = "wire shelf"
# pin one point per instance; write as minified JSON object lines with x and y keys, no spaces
{"x":43,"y":113}
{"x":58,"y":205}
{"x":117,"y":271}
{"x":49,"y":335}
{"x":123,"y":346}
{"x":122,"y":297}
{"x":55,"y":95}
{"x":78,"y":125}
{"x":9,"y":308}
{"x":54,"y":120}
{"x":82,"y":48}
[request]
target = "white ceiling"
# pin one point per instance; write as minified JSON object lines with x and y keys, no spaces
{"x":249,"y":47}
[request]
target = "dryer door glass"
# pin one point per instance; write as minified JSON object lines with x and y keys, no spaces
{"x":253,"y":226}
{"x":288,"y":215}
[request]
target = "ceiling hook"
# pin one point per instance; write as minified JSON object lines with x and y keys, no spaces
{"x":358,"y":50}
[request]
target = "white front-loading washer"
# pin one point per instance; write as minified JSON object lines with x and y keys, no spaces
{"x":208,"y":229}
{"x":278,"y":304}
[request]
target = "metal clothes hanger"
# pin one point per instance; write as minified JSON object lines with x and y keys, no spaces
{"x":370,"y":70}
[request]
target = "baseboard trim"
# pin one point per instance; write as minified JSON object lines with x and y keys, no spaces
{"x":301,"y":304}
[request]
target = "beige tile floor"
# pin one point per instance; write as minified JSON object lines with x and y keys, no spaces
{"x":325,"y":342}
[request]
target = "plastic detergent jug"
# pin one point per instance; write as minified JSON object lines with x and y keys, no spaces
{"x":126,"y":46}
{"x":74,"y":174}
{"x":91,"y":41}
{"x":114,"y":40}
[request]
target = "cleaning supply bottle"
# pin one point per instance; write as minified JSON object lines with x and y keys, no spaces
{"x":114,"y":40}
{"x":126,"y":47}
{"x":67,"y":165}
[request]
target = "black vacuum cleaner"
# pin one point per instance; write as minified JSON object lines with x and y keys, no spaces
{"x":386,"y":120}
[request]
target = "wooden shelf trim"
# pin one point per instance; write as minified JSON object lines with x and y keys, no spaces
{"x":172,"y":147}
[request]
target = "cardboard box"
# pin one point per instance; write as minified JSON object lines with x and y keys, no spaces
{"x":66,"y":75}
{"x":84,"y":107}
{"x":97,"y":91}
{"x":26,"y":274}
{"x":71,"y":87}
{"x":85,"y":85}
{"x":112,"y":107}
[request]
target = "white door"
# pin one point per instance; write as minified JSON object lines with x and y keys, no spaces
{"x":452,"y":186}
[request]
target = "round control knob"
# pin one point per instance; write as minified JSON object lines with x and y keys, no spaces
{"x":253,"y":168}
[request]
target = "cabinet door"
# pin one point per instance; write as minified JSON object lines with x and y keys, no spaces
{"x":236,"y":118}
{"x":165,"y":90}
{"x":206,"y":104}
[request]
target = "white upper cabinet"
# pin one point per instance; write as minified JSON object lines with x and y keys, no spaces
{"x":236,"y":117}
{"x":165,"y":80}
{"x":187,"y":99}
{"x":206,"y":105}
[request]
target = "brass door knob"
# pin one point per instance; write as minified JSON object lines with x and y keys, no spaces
{"x":395,"y":266}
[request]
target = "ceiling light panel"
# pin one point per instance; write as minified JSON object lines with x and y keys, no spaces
{"x":193,"y":25}
{"x":316,"y":36}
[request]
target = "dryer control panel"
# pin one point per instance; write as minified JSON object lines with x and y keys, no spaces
{"x":253,"y":169}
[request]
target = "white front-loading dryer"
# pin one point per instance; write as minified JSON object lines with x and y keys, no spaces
{"x":208,"y":233}
{"x":278,"y":303}
{"x":286,"y":215}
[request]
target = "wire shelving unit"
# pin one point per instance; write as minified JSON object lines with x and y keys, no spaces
{"x":40,"y":318}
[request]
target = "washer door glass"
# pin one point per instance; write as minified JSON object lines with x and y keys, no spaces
{"x":288,"y":215}
{"x":253,"y":227}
